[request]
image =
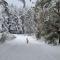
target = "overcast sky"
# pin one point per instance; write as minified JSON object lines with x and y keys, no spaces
{"x":20,"y":4}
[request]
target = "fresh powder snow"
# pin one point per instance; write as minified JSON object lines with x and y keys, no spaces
{"x":18,"y":49}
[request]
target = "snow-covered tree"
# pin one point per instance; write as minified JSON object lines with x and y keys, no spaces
{"x":48,"y":12}
{"x":3,"y":14}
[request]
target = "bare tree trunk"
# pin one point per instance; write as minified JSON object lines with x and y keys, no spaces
{"x":59,"y":36}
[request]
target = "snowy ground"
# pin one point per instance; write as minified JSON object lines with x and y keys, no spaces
{"x":18,"y":49}
{"x":22,"y":39}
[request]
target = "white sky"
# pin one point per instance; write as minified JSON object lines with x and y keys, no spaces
{"x":19,"y":4}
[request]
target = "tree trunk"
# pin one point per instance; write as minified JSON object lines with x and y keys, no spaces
{"x":59,"y":36}
{"x":23,"y":29}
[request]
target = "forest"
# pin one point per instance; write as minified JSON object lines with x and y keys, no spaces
{"x":29,"y":29}
{"x":42,"y":20}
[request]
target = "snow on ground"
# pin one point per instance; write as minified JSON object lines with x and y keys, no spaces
{"x":22,"y":39}
{"x":18,"y":49}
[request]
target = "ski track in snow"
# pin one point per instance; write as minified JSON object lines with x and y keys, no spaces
{"x":18,"y":49}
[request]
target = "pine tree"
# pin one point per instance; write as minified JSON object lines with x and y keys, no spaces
{"x":4,"y":13}
{"x":50,"y":18}
{"x":40,"y":15}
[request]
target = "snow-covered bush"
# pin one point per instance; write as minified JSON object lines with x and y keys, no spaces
{"x":10,"y":36}
{"x":2,"y":37}
{"x":6,"y":36}
{"x":51,"y":38}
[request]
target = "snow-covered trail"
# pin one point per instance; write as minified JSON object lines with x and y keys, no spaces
{"x":22,"y":39}
{"x":18,"y":50}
